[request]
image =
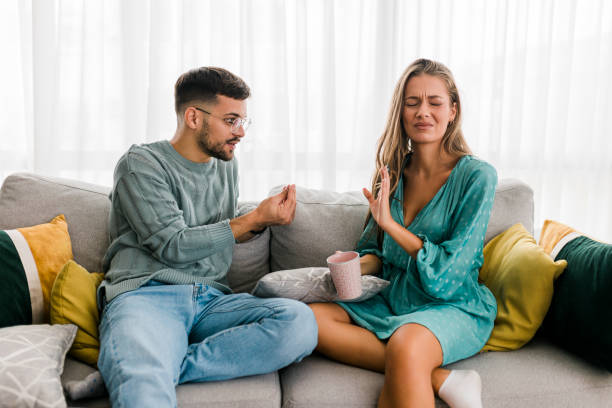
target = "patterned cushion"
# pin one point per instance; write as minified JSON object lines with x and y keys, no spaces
{"x":31,"y":362}
{"x":30,"y":259}
{"x":311,"y":285}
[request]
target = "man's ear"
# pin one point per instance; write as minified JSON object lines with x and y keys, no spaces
{"x":191,"y":118}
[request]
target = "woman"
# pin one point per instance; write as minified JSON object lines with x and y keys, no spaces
{"x":429,"y":209}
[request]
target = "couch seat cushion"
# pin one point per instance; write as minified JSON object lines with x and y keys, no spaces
{"x":538,"y":375}
{"x":260,"y":391}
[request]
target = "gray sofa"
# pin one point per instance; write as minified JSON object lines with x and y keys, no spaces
{"x":538,"y":375}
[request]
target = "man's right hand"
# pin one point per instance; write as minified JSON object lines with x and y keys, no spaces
{"x":278,"y":209}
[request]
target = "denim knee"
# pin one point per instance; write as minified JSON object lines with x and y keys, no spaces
{"x":302,"y":330}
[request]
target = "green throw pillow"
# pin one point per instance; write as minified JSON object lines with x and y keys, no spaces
{"x":30,"y":259}
{"x":581,"y":310}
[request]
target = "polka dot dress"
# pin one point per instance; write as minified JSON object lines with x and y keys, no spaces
{"x":439,"y":289}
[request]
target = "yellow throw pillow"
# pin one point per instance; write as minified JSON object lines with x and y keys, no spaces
{"x":30,"y":259}
{"x":73,"y":300}
{"x":521,"y":276}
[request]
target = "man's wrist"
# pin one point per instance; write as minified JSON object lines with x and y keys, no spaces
{"x":259,"y":225}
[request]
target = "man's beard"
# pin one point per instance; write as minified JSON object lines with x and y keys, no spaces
{"x":216,"y":150}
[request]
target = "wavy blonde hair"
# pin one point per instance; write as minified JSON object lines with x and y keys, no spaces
{"x":394,"y":144}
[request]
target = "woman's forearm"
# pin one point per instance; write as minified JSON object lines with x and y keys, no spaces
{"x":370,"y":264}
{"x":404,"y":238}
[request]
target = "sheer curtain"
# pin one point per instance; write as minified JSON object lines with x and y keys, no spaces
{"x":83,"y":80}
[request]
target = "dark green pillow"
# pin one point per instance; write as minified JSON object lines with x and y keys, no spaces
{"x":580,"y":315}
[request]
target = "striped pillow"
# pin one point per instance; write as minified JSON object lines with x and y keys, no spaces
{"x":30,"y":259}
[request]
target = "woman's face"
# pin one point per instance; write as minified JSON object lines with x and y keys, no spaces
{"x":427,"y":109}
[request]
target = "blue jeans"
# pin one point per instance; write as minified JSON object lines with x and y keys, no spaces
{"x":158,"y":336}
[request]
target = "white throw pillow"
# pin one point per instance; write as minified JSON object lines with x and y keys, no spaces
{"x":31,"y":362}
{"x":311,"y":285}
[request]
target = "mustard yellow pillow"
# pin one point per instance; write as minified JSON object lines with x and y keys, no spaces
{"x":521,"y":276}
{"x":30,"y":259}
{"x":73,"y":300}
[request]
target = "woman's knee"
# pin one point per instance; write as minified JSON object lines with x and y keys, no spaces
{"x":413,"y":345}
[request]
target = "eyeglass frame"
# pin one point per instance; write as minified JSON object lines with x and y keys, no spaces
{"x":234,"y":123}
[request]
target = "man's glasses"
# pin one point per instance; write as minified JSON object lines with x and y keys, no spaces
{"x":233,"y":123}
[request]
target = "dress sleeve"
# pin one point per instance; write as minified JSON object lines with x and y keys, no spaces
{"x":368,"y":242}
{"x":150,"y":208}
{"x":443,"y":267}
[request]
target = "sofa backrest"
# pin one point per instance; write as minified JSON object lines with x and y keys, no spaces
{"x":29,"y":199}
{"x":327,"y":221}
{"x":324,"y":222}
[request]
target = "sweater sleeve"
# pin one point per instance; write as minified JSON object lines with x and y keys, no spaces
{"x":150,"y":208}
{"x":443,"y":267}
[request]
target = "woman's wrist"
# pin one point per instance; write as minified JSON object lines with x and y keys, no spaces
{"x":387,"y":224}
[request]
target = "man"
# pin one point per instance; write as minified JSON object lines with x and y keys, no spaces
{"x":168,"y":314}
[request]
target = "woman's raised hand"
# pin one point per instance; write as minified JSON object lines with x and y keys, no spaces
{"x":379,"y":206}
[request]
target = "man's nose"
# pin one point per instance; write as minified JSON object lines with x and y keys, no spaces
{"x":240,"y":132}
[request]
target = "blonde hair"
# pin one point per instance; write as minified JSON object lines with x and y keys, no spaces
{"x":394,"y":144}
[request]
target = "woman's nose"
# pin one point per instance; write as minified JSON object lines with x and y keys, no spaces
{"x":423,"y":111}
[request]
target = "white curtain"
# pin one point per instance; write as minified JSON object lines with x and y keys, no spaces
{"x":83,"y":80}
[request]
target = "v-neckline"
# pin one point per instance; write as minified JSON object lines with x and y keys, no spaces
{"x":400,"y":190}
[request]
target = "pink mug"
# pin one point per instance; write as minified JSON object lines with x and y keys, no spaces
{"x":345,"y":272}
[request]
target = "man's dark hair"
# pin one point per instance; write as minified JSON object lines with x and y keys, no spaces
{"x":205,"y":83}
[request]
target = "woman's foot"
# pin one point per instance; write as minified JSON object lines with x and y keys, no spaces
{"x":462,"y":389}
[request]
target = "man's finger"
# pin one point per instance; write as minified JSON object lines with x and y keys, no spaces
{"x":292,"y":194}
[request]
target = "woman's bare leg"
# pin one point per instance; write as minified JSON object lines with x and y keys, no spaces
{"x":412,"y":354}
{"x":346,"y":342}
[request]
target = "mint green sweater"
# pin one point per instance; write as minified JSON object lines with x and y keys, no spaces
{"x":169,"y":220}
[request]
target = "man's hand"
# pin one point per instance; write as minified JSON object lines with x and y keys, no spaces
{"x":278,"y":209}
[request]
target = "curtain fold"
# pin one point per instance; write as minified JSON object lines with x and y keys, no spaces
{"x":82,"y":80}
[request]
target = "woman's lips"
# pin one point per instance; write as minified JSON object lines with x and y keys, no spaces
{"x":423,"y":126}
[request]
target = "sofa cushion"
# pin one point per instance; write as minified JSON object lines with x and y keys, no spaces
{"x":521,"y":276}
{"x":30,"y":259}
{"x":73,"y":300}
{"x":311,"y":285}
{"x":251,"y":259}
{"x":513,"y":204}
{"x":538,"y":375}
{"x":581,"y":310}
{"x":31,"y":362}
{"x":327,"y":221}
{"x":29,"y":199}
{"x":260,"y":391}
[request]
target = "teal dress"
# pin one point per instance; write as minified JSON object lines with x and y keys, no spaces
{"x":439,"y":289}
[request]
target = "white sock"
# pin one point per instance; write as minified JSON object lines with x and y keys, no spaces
{"x":462,"y":389}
